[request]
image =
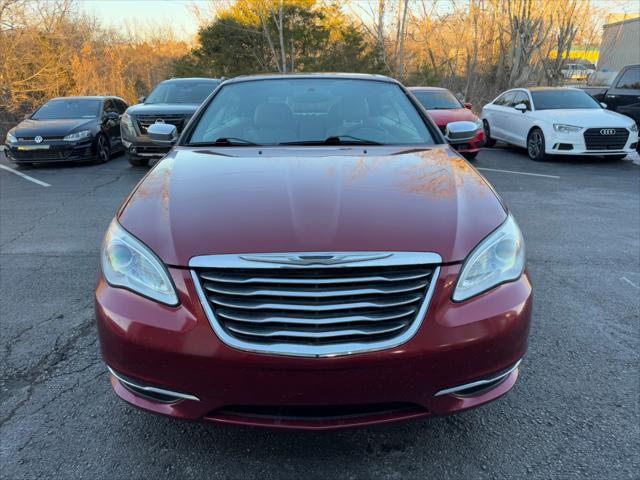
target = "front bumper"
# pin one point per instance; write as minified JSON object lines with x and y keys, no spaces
{"x":50,"y":151}
{"x":473,"y":146}
{"x":175,"y":349}
{"x":141,"y":147}
{"x":574,"y":144}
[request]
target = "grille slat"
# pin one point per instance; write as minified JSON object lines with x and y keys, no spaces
{"x":317,"y":306}
{"x":313,"y":306}
{"x":317,"y":334}
{"x":314,"y":320}
{"x":390,"y":277}
{"x":595,"y":140}
{"x":316,"y":292}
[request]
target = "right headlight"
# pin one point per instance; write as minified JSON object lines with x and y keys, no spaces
{"x":130,"y":264}
{"x":497,"y":259}
{"x":11,"y":138}
{"x":126,"y":126}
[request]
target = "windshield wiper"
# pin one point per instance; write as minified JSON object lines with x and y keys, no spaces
{"x":334,"y":140}
{"x":224,"y":142}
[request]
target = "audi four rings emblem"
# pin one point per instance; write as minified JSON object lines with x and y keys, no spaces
{"x":608,"y":131}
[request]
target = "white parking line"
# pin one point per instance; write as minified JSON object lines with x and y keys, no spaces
{"x":629,"y":282}
{"x":26,"y":177}
{"x":518,"y":173}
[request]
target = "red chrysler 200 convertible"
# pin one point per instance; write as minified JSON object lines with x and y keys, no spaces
{"x":312,"y":254}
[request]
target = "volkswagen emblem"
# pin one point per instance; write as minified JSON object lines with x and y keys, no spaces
{"x":608,"y":131}
{"x":159,"y":120}
{"x":38,"y":139}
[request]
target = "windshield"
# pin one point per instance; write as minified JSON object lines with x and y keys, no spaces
{"x":311,"y":111}
{"x":181,"y":92}
{"x":561,"y":99}
{"x":68,"y":108}
{"x":437,"y":99}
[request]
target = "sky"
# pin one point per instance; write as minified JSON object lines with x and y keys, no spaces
{"x":148,"y":14}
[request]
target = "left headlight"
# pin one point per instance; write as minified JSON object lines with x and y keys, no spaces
{"x":74,"y":137}
{"x":561,"y":128}
{"x":128,"y":263}
{"x":11,"y":138}
{"x":498,"y":259}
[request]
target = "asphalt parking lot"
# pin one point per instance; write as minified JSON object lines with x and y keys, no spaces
{"x":574,"y":412}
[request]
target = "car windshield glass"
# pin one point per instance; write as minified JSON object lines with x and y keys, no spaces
{"x":561,"y":99}
{"x":181,"y":92}
{"x":311,"y":111}
{"x":68,"y":108}
{"x":437,"y":100}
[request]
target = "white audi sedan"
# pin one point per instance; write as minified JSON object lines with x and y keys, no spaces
{"x":558,"y":121}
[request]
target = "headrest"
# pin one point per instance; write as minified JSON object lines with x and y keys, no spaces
{"x":272,"y":115}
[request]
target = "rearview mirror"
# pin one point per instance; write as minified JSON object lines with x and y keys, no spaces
{"x":460,"y":132}
{"x":521,"y":107}
{"x":163,"y":134}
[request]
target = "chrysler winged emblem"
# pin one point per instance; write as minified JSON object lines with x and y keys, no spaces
{"x":306,"y":259}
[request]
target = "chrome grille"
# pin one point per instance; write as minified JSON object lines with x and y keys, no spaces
{"x":595,"y":140}
{"x":316,"y":309}
{"x":145,"y":121}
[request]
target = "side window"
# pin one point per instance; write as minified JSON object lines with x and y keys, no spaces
{"x":120,"y":105}
{"x":521,"y":97}
{"x":505,"y":99}
{"x":109,"y":106}
{"x":630,"y":79}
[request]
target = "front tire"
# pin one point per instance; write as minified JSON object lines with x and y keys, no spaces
{"x":103,"y":150}
{"x":488,"y":141}
{"x":536,"y":145}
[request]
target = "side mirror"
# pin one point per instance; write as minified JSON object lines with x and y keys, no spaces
{"x":460,"y":132}
{"x":27,"y":116}
{"x":603,"y":105}
{"x":163,"y":134}
{"x":468,"y":105}
{"x":141,"y":99}
{"x":521,"y":107}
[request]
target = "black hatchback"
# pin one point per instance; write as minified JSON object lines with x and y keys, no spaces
{"x":68,"y":129}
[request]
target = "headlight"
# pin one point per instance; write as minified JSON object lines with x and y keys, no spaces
{"x":126,"y":126}
{"x":560,"y":128}
{"x":74,"y":137}
{"x":633,"y":127}
{"x":11,"y":138}
{"x":478,"y":124}
{"x":128,"y":263}
{"x":499,"y":258}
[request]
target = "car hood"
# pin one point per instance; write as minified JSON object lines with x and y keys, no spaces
{"x":442,"y":117}
{"x":587,"y":118}
{"x":51,"y":128}
{"x":242,"y":200}
{"x":163,"y":108}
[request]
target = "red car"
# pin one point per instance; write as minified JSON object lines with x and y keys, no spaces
{"x":444,"y":108}
{"x":312,"y":254}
